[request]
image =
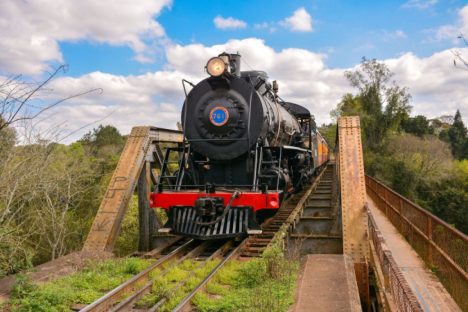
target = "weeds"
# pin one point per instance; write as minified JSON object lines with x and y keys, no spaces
{"x":264,"y":284}
{"x":177,"y":283}
{"x":82,"y":287}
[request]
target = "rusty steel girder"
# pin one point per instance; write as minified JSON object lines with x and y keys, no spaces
{"x":351,"y":176}
{"x":141,"y":142}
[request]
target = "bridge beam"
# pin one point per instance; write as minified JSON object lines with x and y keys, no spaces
{"x":350,"y":167}
{"x":135,"y":156}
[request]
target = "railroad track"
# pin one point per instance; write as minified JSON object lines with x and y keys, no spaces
{"x":126,"y":297}
{"x":256,"y":244}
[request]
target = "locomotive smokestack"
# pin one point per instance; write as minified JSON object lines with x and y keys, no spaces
{"x":234,"y":62}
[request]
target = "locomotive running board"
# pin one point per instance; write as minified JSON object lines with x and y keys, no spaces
{"x":140,"y":145}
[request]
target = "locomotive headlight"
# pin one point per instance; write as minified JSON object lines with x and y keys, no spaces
{"x":216,"y":67}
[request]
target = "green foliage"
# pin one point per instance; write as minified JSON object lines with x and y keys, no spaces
{"x":403,"y":180}
{"x":176,"y":283}
{"x":448,"y":197}
{"x":82,"y":287}
{"x":49,"y":195}
{"x":251,"y":274}
{"x":103,"y":137}
{"x":329,"y":134}
{"x":423,"y":170}
{"x":7,"y":140}
{"x":127,"y":241}
{"x":457,"y":135}
{"x":418,"y":125}
{"x":22,"y":287}
{"x":250,"y":286}
{"x":410,"y":154}
{"x":381,"y":104}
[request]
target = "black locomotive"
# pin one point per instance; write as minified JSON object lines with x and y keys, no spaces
{"x":245,"y":150}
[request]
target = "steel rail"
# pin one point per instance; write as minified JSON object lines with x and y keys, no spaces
{"x":187,"y":298}
{"x":285,"y":219}
{"x":216,"y":253}
{"x":105,"y":302}
{"x":132,"y":299}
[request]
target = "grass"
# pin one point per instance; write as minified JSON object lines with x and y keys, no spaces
{"x":82,"y":287}
{"x":189,"y":273}
{"x":265,"y":284}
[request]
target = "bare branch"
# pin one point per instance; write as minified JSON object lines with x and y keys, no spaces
{"x":16,"y":96}
{"x":459,"y":60}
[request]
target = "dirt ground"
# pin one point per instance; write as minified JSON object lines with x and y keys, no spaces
{"x":59,"y":267}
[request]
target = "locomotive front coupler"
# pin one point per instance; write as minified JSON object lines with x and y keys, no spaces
{"x":209,"y":207}
{"x":210,"y":188}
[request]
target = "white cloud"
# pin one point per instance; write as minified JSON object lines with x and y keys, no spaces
{"x":156,"y":98}
{"x":419,"y":4}
{"x":392,"y":35}
{"x":436,"y":86}
{"x":270,"y":26}
{"x":261,"y":25}
{"x":454,"y":30}
{"x":127,"y":101}
{"x":228,"y":23}
{"x":299,"y":21}
{"x":399,"y":34}
{"x":31,"y":30}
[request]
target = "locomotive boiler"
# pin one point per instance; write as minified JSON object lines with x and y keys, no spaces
{"x":245,"y":151}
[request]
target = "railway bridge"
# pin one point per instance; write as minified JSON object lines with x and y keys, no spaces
{"x":365,"y":247}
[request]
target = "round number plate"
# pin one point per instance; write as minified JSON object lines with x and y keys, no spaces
{"x":219,"y":116}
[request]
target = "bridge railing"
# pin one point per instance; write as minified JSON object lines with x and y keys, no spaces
{"x":441,"y":246}
{"x":403,"y":297}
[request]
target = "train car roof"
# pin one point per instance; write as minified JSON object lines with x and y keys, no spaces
{"x":254,"y":73}
{"x":297,"y":110}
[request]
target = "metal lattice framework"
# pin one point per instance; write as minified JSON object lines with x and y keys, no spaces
{"x":137,"y":157}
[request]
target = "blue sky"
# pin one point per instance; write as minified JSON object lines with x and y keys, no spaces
{"x":137,"y":52}
{"x":344,"y":30}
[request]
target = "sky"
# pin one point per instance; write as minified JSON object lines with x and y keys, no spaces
{"x":137,"y":52}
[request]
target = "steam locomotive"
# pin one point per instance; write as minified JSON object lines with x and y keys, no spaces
{"x":245,"y":151}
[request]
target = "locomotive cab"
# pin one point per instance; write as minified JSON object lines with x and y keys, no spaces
{"x":245,"y":151}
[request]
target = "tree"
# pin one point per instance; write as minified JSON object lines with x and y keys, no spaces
{"x":103,"y":136}
{"x":418,"y":125}
{"x":44,"y":194}
{"x":40,"y":186}
{"x":448,"y":198}
{"x":380,"y":102}
{"x":457,"y":135}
